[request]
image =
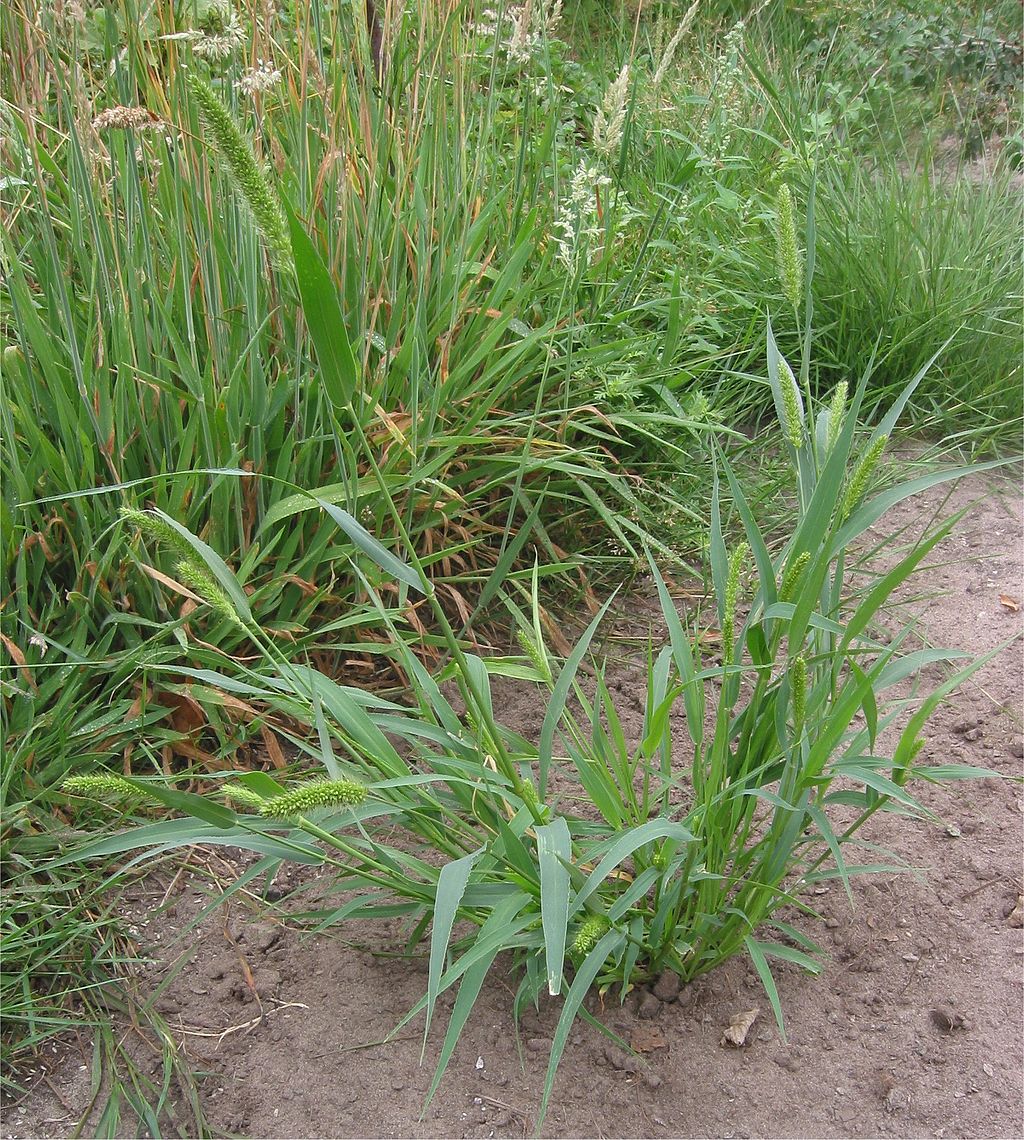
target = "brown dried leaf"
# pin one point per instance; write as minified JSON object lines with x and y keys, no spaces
{"x":739,"y":1026}
{"x":273,"y":748}
{"x":1011,"y":604}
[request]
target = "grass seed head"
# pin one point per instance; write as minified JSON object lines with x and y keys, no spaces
{"x":862,"y":476}
{"x":798,"y":685}
{"x":611,"y":115}
{"x":247,"y":175}
{"x":836,"y":413}
{"x":732,"y":590}
{"x":157,"y":530}
{"x":792,"y":405}
{"x":792,"y":576}
{"x":240,"y":794}
{"x":100,"y":788}
{"x":787,"y":252}
{"x":315,"y":794}
{"x":590,"y":932}
{"x":195,"y":575}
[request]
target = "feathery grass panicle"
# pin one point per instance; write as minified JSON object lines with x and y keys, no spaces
{"x":611,"y":115}
{"x":248,"y":176}
{"x":670,"y":51}
{"x":861,"y":477}
{"x":836,"y":414}
{"x":793,"y":574}
{"x":789,"y":263}
{"x":792,"y":405}
{"x":313,"y":795}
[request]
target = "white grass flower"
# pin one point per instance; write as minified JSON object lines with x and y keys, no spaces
{"x":258,"y":80}
{"x":126,"y":119}
{"x":220,"y":33}
{"x":670,"y":51}
{"x":578,"y":222}
{"x":611,"y":115}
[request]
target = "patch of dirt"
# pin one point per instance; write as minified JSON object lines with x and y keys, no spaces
{"x":913,"y":1029}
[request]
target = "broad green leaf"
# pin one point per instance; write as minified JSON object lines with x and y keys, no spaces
{"x":554,"y":855}
{"x":324,"y":319}
{"x":451,"y":886}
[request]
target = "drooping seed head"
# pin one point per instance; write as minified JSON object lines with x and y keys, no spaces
{"x":247,"y":176}
{"x":194,"y":574}
{"x":313,"y":795}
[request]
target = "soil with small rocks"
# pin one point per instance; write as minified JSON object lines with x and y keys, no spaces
{"x":913,"y":1028}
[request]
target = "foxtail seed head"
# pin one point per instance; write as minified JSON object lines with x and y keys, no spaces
{"x":240,"y":794}
{"x":536,"y":654}
{"x":791,"y":578}
{"x":789,"y":263}
{"x":732,"y":591}
{"x":100,"y":788}
{"x":247,"y":175}
{"x":590,"y":932}
{"x":792,"y":405}
{"x":798,"y":687}
{"x":195,"y":575}
{"x":315,"y":794}
{"x":862,"y":476}
{"x":155,"y":528}
{"x":836,"y":414}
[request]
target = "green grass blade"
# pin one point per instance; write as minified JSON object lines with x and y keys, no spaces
{"x":554,"y":854}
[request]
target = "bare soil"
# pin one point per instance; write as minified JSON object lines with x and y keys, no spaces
{"x":913,"y":1029}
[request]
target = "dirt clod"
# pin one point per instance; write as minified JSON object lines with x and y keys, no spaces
{"x":666,"y":988}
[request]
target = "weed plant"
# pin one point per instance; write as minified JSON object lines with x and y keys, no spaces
{"x":594,"y":861}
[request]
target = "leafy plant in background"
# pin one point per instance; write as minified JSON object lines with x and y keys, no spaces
{"x":595,"y":861}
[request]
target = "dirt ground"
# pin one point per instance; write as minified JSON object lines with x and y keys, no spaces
{"x":913,"y":1029}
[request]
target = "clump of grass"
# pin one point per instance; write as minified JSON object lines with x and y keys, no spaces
{"x":687,"y":848}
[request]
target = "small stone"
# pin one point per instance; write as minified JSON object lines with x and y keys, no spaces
{"x":649,"y":1007}
{"x":667,"y":987}
{"x":262,"y":935}
{"x":536,"y":1044}
{"x":896,"y":1100}
{"x":652,"y":1080}
{"x":621,"y":1061}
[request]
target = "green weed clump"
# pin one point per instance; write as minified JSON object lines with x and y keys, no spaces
{"x":593,"y":860}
